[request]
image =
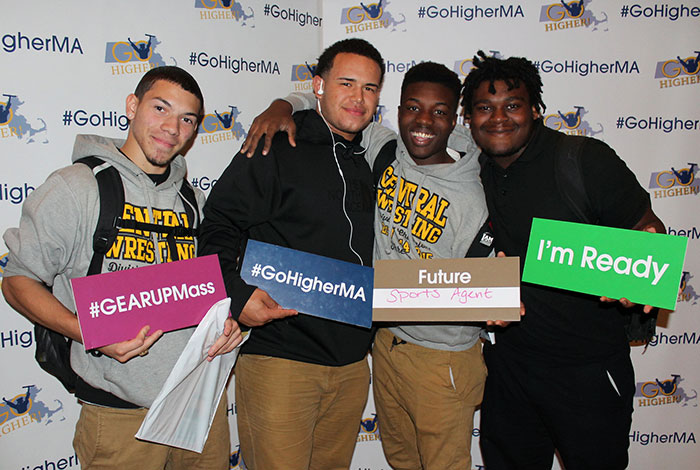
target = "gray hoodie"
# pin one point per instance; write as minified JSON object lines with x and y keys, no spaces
{"x":447,"y":231}
{"x":440,"y":210}
{"x":53,"y":244}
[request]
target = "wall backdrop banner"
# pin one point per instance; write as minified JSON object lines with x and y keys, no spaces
{"x":623,"y":72}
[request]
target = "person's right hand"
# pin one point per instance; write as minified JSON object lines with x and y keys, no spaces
{"x":126,"y":350}
{"x":261,"y":309}
{"x":277,"y":117}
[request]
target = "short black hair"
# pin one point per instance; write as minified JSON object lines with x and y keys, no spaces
{"x":350,"y":46}
{"x":171,"y":74}
{"x":513,"y":71}
{"x":433,"y":72}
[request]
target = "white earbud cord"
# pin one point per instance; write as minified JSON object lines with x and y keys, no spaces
{"x":342,"y":177}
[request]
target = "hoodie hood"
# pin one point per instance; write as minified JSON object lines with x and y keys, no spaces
{"x":107,"y":149}
{"x":464,"y":170}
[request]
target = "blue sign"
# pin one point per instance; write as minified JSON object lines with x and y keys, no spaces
{"x":312,"y":284}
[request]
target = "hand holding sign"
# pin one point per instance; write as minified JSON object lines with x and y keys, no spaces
{"x":623,"y":301}
{"x":125,"y":350}
{"x":261,"y":309}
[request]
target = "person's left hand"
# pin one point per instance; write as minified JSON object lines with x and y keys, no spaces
{"x":626,"y":303}
{"x":623,"y":301}
{"x":227,"y":341}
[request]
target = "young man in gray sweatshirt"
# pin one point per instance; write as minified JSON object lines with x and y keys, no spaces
{"x":54,"y":244}
{"x":428,"y":378}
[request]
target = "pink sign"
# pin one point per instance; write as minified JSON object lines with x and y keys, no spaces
{"x":113,"y":307}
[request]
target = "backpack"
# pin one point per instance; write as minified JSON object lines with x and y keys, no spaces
{"x":481,"y":246}
{"x":568,"y":177}
{"x":52,"y":348}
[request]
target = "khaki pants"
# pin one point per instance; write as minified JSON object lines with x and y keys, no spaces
{"x":104,"y":439}
{"x":298,"y":416}
{"x":425,"y":400}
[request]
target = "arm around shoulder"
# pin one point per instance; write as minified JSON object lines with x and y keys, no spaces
{"x":277,"y":118}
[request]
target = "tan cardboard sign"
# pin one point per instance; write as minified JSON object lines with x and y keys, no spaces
{"x":447,"y":290}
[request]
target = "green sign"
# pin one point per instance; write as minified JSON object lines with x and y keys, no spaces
{"x":642,"y":267}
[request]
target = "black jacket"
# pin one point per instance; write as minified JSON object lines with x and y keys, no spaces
{"x":293,"y":198}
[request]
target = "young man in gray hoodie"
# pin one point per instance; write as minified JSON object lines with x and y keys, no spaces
{"x":428,"y":378}
{"x":54,"y":244}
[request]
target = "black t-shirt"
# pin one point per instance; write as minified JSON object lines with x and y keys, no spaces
{"x":560,"y":326}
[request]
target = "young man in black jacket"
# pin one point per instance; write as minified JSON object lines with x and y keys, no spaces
{"x":302,"y":381}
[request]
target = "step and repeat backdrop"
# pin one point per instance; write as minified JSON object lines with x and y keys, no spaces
{"x":623,"y":72}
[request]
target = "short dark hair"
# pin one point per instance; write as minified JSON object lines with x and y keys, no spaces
{"x":350,"y":46}
{"x":513,"y":71}
{"x":171,"y":74}
{"x":433,"y":72}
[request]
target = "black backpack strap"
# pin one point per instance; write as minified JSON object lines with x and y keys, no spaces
{"x":568,"y":176}
{"x":386,"y":157}
{"x":175,"y":231}
{"x":190,"y":203}
{"x":111,"y":194}
{"x":52,"y":348}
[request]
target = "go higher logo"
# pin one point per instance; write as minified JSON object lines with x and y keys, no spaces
{"x":358,"y":18}
{"x":687,"y":291}
{"x":575,"y":14}
{"x":678,"y":71}
{"x":572,"y":122}
{"x":302,"y":75}
{"x":223,"y":10}
{"x":665,"y":392}
{"x":673,"y":182}
{"x":236,"y":460}
{"x":14,"y":124}
{"x":220,"y":127}
{"x":3,"y":264}
{"x":464,"y":66}
{"x":380,"y":117}
{"x":134,"y":57}
{"x":24,"y":409}
{"x":369,"y":429}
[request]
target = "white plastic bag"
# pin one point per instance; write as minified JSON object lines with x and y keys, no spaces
{"x":182,"y":413}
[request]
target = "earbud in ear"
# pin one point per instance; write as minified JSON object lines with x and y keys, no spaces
{"x":320,"y":88}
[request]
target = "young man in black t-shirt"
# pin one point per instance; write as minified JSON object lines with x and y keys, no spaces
{"x":561,"y":378}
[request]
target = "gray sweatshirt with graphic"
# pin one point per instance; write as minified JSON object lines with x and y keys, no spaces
{"x":454,"y":213}
{"x":53,"y":244}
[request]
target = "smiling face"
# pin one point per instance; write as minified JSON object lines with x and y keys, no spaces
{"x":161,"y":124}
{"x":350,"y":93}
{"x":502,"y":123}
{"x":427,"y":115}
